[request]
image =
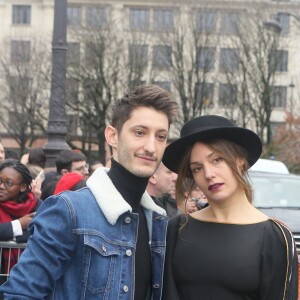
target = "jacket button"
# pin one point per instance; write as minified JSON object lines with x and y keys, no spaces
{"x":156,"y":286}
{"x":127,"y":220}
{"x":103,"y":248}
{"x":128,"y":252}
{"x":125,"y":288}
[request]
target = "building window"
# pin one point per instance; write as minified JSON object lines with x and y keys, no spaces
{"x":278,"y":61}
{"x":166,"y":85}
{"x":74,"y":16}
{"x":17,"y":122}
{"x":206,"y":21}
{"x":205,"y":93}
{"x":72,"y":124}
{"x":72,"y":89}
{"x":279,"y":96}
{"x":139,"y":19}
{"x":73,"y":55}
{"x":138,"y":55}
{"x":229,"y":60}
{"x":19,"y":88}
{"x":206,"y":58}
{"x":96,"y":16}
{"x":19,"y":52}
{"x":284,"y":21}
{"x":21,"y":14}
{"x":227,"y":95}
{"x":162,"y":56}
{"x":229,"y":23}
{"x":163,"y":20}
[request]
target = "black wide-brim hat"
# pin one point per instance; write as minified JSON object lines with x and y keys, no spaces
{"x":211,"y":127}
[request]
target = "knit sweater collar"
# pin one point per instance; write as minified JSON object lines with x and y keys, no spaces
{"x":130,"y":186}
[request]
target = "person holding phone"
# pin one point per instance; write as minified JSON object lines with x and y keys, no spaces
{"x":17,"y":202}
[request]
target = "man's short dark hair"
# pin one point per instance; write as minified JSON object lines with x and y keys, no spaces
{"x":143,"y":95}
{"x":66,"y":158}
{"x":37,"y":157}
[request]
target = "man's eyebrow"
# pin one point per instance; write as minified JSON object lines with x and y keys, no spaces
{"x":146,"y":127}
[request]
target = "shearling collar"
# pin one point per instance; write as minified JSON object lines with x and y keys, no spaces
{"x":110,"y":200}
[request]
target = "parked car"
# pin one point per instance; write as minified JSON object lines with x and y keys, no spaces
{"x":277,"y":194}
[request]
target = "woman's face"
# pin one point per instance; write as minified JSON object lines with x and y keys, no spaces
{"x":212,"y":174}
{"x":10,"y":184}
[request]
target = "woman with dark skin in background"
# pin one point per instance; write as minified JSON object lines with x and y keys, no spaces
{"x":17,"y":203}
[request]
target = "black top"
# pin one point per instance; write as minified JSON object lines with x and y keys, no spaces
{"x":217,"y":261}
{"x":168,"y":204}
{"x":132,"y":188}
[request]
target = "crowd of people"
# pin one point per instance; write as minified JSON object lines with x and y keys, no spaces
{"x":163,"y":220}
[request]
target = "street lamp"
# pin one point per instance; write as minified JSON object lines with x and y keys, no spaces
{"x":57,"y":122}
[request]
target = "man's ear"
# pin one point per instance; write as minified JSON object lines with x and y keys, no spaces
{"x":111,"y":136}
{"x":64,"y":172}
{"x":152,"y":179}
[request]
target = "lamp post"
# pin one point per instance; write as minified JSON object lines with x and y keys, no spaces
{"x":57,"y":122}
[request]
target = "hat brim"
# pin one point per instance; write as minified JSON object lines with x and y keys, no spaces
{"x":241,"y":136}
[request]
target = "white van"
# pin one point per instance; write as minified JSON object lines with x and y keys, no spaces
{"x":270,"y":166}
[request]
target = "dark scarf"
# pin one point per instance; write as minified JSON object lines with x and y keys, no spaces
{"x":9,"y":211}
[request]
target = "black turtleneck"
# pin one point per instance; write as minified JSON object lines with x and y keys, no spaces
{"x":132,"y":188}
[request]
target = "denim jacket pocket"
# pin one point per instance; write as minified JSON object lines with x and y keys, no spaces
{"x":100,"y":263}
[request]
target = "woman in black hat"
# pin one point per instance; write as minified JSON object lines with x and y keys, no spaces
{"x":229,"y":250}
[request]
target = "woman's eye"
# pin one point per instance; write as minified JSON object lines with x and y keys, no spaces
{"x":218,"y":159}
{"x":196,"y":170}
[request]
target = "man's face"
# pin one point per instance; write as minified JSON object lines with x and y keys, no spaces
{"x":2,"y":152}
{"x":165,"y":181}
{"x":140,"y":145}
{"x":80,"y":167}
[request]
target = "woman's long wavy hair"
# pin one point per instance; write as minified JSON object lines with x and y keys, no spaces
{"x":25,"y":175}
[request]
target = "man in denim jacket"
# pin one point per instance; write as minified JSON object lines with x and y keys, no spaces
{"x":106,"y":241}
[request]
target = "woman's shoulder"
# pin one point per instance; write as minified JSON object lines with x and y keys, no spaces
{"x":177,"y":220}
{"x":279,"y":227}
{"x":277,"y":232}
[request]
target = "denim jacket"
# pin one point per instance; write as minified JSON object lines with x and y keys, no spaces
{"x":83,"y":247}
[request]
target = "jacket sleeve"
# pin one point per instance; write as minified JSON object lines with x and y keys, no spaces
{"x":6,"y":231}
{"x":48,"y":252}
{"x":279,"y":269}
{"x":25,"y":236}
{"x":170,"y":291}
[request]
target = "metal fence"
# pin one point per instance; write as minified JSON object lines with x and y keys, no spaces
{"x":9,"y":248}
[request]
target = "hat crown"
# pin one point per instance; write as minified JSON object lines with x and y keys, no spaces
{"x":203,"y":123}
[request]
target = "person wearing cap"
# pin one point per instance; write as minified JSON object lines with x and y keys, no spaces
{"x":228,"y":250}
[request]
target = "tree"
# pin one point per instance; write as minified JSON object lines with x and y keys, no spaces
{"x":25,"y":89}
{"x":192,"y":46}
{"x":94,"y":81}
{"x":256,"y":73}
{"x":286,"y":143}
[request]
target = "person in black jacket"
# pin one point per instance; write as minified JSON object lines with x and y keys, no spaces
{"x":161,"y":187}
{"x":228,"y":250}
